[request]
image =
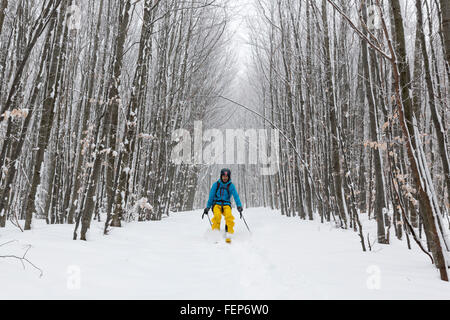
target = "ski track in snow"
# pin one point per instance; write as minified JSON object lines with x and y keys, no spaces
{"x":177,"y":258}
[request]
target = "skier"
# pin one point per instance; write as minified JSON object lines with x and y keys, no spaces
{"x":219,"y":200}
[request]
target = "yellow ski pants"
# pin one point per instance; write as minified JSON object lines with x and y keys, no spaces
{"x":229,"y":219}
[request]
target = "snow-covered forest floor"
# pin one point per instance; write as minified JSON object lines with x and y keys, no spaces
{"x":176,"y":258}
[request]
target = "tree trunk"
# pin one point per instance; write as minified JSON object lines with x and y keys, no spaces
{"x":380,"y":201}
{"x":445,"y":11}
{"x":53,"y":83}
{"x":437,"y":121}
{"x":336,"y":163}
{"x":416,"y":157}
{"x":3,"y":6}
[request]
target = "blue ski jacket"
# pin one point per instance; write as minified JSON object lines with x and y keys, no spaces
{"x":221,"y":194}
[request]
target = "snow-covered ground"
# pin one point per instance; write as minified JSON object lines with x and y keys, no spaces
{"x":283,"y":258}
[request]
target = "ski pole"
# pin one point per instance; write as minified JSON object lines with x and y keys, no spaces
{"x":206,"y":212}
{"x":210,"y":223}
{"x":246,"y":223}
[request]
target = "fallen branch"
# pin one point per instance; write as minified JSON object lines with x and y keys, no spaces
{"x":22,"y":259}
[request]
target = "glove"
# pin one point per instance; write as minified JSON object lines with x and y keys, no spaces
{"x":205,"y":212}
{"x":240,"y":211}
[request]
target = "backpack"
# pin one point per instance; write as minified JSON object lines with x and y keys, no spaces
{"x":218,"y":187}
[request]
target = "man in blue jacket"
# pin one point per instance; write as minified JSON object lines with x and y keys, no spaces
{"x":219,"y":200}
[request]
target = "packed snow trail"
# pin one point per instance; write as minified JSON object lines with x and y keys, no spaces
{"x":283,"y":258}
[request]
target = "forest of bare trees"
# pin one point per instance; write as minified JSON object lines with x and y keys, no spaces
{"x":91,"y":92}
{"x":361,"y":87}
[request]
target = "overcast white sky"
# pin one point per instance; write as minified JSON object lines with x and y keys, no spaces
{"x":240,"y":10}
